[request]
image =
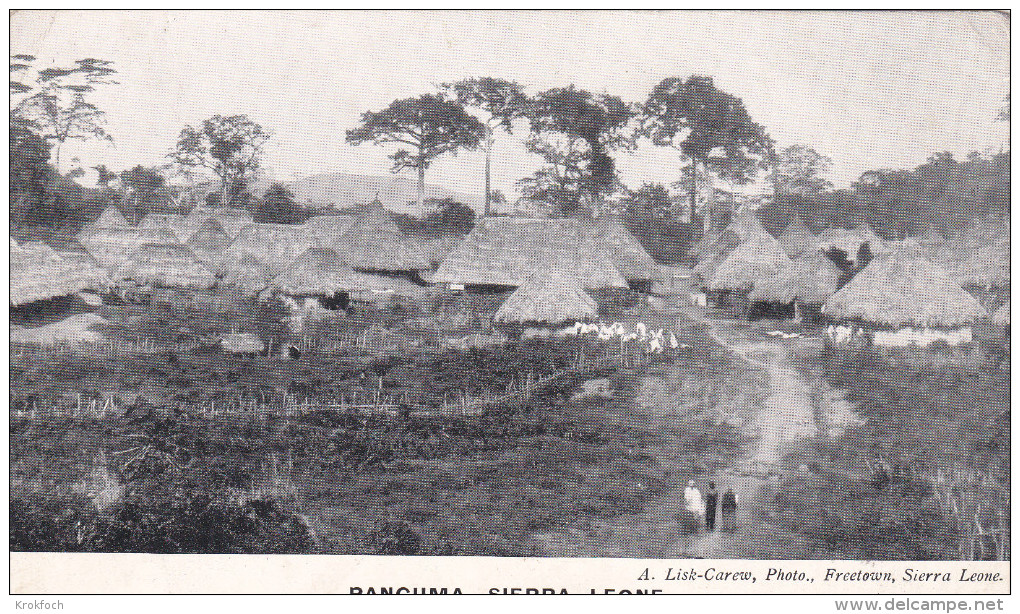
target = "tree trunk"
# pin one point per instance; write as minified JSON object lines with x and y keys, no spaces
{"x":488,"y":170}
{"x":421,"y":186}
{"x":709,"y":201}
{"x":223,"y":191}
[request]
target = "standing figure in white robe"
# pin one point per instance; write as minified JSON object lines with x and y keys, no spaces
{"x":693,"y":501}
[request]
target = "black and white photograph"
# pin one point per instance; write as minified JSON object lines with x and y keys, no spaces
{"x":656,"y":285}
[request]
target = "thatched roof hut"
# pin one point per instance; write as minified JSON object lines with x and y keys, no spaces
{"x":850,"y":241}
{"x":174,"y":222}
{"x":320,"y":271}
{"x":209,"y":242}
{"x":797,"y":238}
{"x":38,"y":273}
{"x":900,"y":289}
{"x":1001,"y":315}
{"x":275,"y":245}
{"x":810,"y":278}
{"x":327,"y":230}
{"x":249,"y":274}
{"x":504,"y":251}
{"x":111,"y":217}
{"x":170,"y":266}
{"x":374,"y":243}
{"x":547,"y":298}
{"x":112,"y":247}
{"x":979,"y":256}
{"x":758,"y":258}
{"x":231,"y":218}
{"x":743,"y":226}
{"x":629,"y":256}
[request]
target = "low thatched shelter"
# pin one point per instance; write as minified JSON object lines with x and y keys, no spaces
{"x":174,"y":222}
{"x":274,"y":245}
{"x":797,"y":238}
{"x":547,"y":298}
{"x":209,"y":242}
{"x":113,"y":247}
{"x":38,"y":273}
{"x":374,"y":243}
{"x":168,"y":266}
{"x":806,"y":281}
{"x":328,"y":230}
{"x":232,"y":219}
{"x":111,"y":217}
{"x":629,"y":256}
{"x":902,"y":299}
{"x":850,"y":241}
{"x":758,"y":258}
{"x":249,"y":275}
{"x":502,"y":252}
{"x":320,"y":272}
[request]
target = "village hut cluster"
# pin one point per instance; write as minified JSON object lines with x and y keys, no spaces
{"x":546,"y":273}
{"x":915,"y":291}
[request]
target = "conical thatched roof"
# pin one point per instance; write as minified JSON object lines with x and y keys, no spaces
{"x":628,"y":254}
{"x":547,"y":298}
{"x":375,"y":243}
{"x":112,"y":247}
{"x":39,"y":273}
{"x":171,"y":266}
{"x":327,"y":230}
{"x":810,"y":278}
{"x":851,"y":240}
{"x":111,"y":217}
{"x":900,"y":289}
{"x":231,"y":218}
{"x":506,"y":250}
{"x":275,"y":245}
{"x":743,"y":226}
{"x":758,"y":258}
{"x":174,"y":222}
{"x":321,"y":271}
{"x":797,"y":238}
{"x":1001,"y":315}
{"x":979,"y":256}
{"x":249,"y":274}
{"x":209,"y":241}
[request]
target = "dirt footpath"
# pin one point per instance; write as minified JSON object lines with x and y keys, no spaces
{"x":787,"y":415}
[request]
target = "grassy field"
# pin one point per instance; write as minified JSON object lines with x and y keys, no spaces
{"x":121,"y":452}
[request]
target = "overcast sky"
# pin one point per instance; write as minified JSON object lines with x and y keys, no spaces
{"x":870,"y":90}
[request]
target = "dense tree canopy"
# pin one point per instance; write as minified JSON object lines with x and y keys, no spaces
{"x":711,"y":128}
{"x":501,"y":101}
{"x":574,"y":131}
{"x":229,"y":146}
{"x":429,"y":125}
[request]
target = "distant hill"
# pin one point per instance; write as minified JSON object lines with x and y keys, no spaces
{"x":345,"y":190}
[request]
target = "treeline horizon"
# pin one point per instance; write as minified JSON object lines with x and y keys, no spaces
{"x":574,"y":131}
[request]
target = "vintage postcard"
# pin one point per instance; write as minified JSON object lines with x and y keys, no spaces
{"x":510,"y":302}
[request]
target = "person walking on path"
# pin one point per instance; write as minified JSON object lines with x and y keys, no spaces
{"x":729,"y":511}
{"x":711,"y":499}
{"x":693,"y":501}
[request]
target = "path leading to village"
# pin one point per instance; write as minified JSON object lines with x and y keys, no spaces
{"x":786,"y":415}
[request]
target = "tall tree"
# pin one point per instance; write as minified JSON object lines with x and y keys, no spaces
{"x":143,"y":190}
{"x":699,"y":120}
{"x":801,"y":170}
{"x":501,"y":101}
{"x":56,"y":102}
{"x":430,"y":125}
{"x":574,"y":130}
{"x":230,"y":146}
